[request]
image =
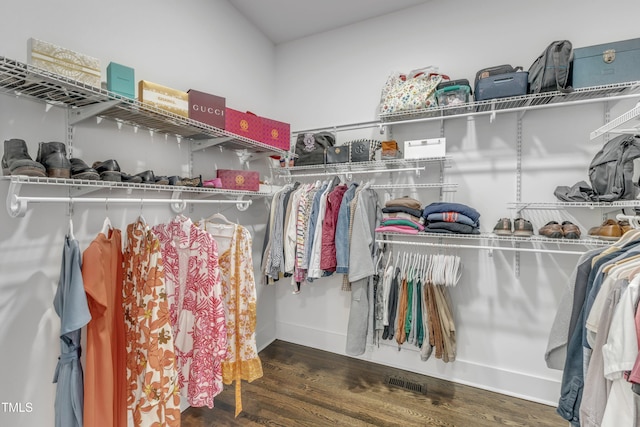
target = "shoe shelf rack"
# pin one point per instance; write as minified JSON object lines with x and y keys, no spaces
{"x":627,"y":123}
{"x":84,"y":101}
{"x":619,"y":204}
{"x":489,"y":242}
{"x":121,"y":192}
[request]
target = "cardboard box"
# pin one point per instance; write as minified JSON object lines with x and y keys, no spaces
{"x":243,"y":124}
{"x":64,"y":62}
{"x":276,"y":134}
{"x":206,"y":108}
{"x":172,"y":100}
{"x":608,"y":63}
{"x":239,"y":179}
{"x":425,"y":148}
{"x":121,"y":80}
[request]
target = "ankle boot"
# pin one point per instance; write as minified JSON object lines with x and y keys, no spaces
{"x":53,"y":156}
{"x":17,"y":161}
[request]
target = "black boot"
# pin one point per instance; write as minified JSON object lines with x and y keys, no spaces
{"x":17,"y":161}
{"x":53,"y":156}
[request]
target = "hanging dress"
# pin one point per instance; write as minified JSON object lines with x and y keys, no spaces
{"x":105,"y":388}
{"x":196,"y":309}
{"x":239,"y":292}
{"x":70,"y":303}
{"x":153,"y":395}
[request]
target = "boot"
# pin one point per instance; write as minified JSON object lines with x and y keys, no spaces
{"x":17,"y":161}
{"x":53,"y":156}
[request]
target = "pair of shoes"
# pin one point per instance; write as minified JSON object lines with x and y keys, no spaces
{"x":17,"y":161}
{"x":192,"y":182}
{"x":53,"y":156}
{"x":610,"y":229}
{"x":109,"y":170}
{"x":215,"y":183}
{"x":520,"y":227}
{"x":81,"y":170}
{"x":555,"y":230}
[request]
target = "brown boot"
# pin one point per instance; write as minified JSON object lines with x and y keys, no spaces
{"x":17,"y":161}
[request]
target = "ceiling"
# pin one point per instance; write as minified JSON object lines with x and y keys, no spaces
{"x":286,"y":20}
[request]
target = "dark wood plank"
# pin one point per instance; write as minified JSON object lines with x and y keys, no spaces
{"x":302,"y":386}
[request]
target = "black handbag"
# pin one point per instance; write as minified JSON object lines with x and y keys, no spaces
{"x":359,"y":151}
{"x":310,"y":147}
{"x":339,"y":154}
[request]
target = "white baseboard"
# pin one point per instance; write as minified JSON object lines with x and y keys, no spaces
{"x":517,"y":384}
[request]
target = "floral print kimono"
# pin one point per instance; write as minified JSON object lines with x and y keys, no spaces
{"x":153,"y":397}
{"x":196,"y":308}
{"x":239,"y":293}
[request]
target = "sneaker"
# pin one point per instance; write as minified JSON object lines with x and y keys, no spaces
{"x":503,"y":227}
{"x":609,"y":230}
{"x":552,"y":229}
{"x":570,"y":230}
{"x":522,"y":227}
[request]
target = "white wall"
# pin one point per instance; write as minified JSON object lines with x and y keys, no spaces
{"x":204,"y":45}
{"x":503,"y":319}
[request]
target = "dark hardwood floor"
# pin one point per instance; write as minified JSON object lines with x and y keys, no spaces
{"x":302,"y":386}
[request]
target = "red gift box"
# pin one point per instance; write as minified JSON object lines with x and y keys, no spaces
{"x":206,"y":108}
{"x":247,"y":125}
{"x":276,"y":134}
{"x":239,"y":179}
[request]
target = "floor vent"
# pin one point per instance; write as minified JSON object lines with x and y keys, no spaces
{"x":269,"y":366}
{"x":407,"y":385}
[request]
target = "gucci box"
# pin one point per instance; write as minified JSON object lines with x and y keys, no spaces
{"x":239,"y":179}
{"x":64,"y":62}
{"x":276,"y":134}
{"x":206,"y":108}
{"x":247,"y":125}
{"x":121,"y":80}
{"x":162,"y":97}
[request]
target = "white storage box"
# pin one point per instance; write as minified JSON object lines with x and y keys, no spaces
{"x":425,"y":148}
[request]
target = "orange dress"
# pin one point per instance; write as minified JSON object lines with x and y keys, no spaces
{"x":105,"y":400}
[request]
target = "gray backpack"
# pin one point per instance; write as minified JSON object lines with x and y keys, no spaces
{"x":611,"y":171}
{"x":552,"y":69}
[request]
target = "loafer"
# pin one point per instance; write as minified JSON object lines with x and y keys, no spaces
{"x":147,"y":177}
{"x":162,"y":180}
{"x":570,"y":230}
{"x":175,"y":180}
{"x":552,"y":229}
{"x":109,"y":170}
{"x":192,"y":182}
{"x":502,"y":228}
{"x":522,"y":227}
{"x":608,"y":230}
{"x":132,"y":179}
{"x":81,"y":170}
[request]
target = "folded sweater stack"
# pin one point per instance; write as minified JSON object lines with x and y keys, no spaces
{"x":402,"y":215}
{"x":451,"y":218}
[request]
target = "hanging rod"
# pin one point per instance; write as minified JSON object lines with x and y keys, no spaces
{"x":490,"y":248}
{"x":411,"y":185}
{"x":17,"y":205}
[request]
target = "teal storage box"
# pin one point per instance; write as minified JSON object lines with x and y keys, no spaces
{"x":121,"y":80}
{"x":608,"y":63}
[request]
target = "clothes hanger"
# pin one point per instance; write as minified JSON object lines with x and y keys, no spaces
{"x":219,"y":216}
{"x":70,"y":234}
{"x":106,"y":226}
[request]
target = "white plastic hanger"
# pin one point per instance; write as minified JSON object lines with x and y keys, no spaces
{"x":71,"y":236}
{"x":219,"y":216}
{"x":106,"y":226}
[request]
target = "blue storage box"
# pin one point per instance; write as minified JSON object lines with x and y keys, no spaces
{"x":608,"y":63}
{"x":502,"y":85}
{"x":121,"y":80}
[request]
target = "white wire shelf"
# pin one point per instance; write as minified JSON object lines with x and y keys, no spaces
{"x":17,"y":204}
{"x":444,"y":185}
{"x":378,"y":164}
{"x":19,"y":79}
{"x":520,"y":103}
{"x":627,"y":123}
{"x":564,"y":205}
{"x":489,"y":241}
